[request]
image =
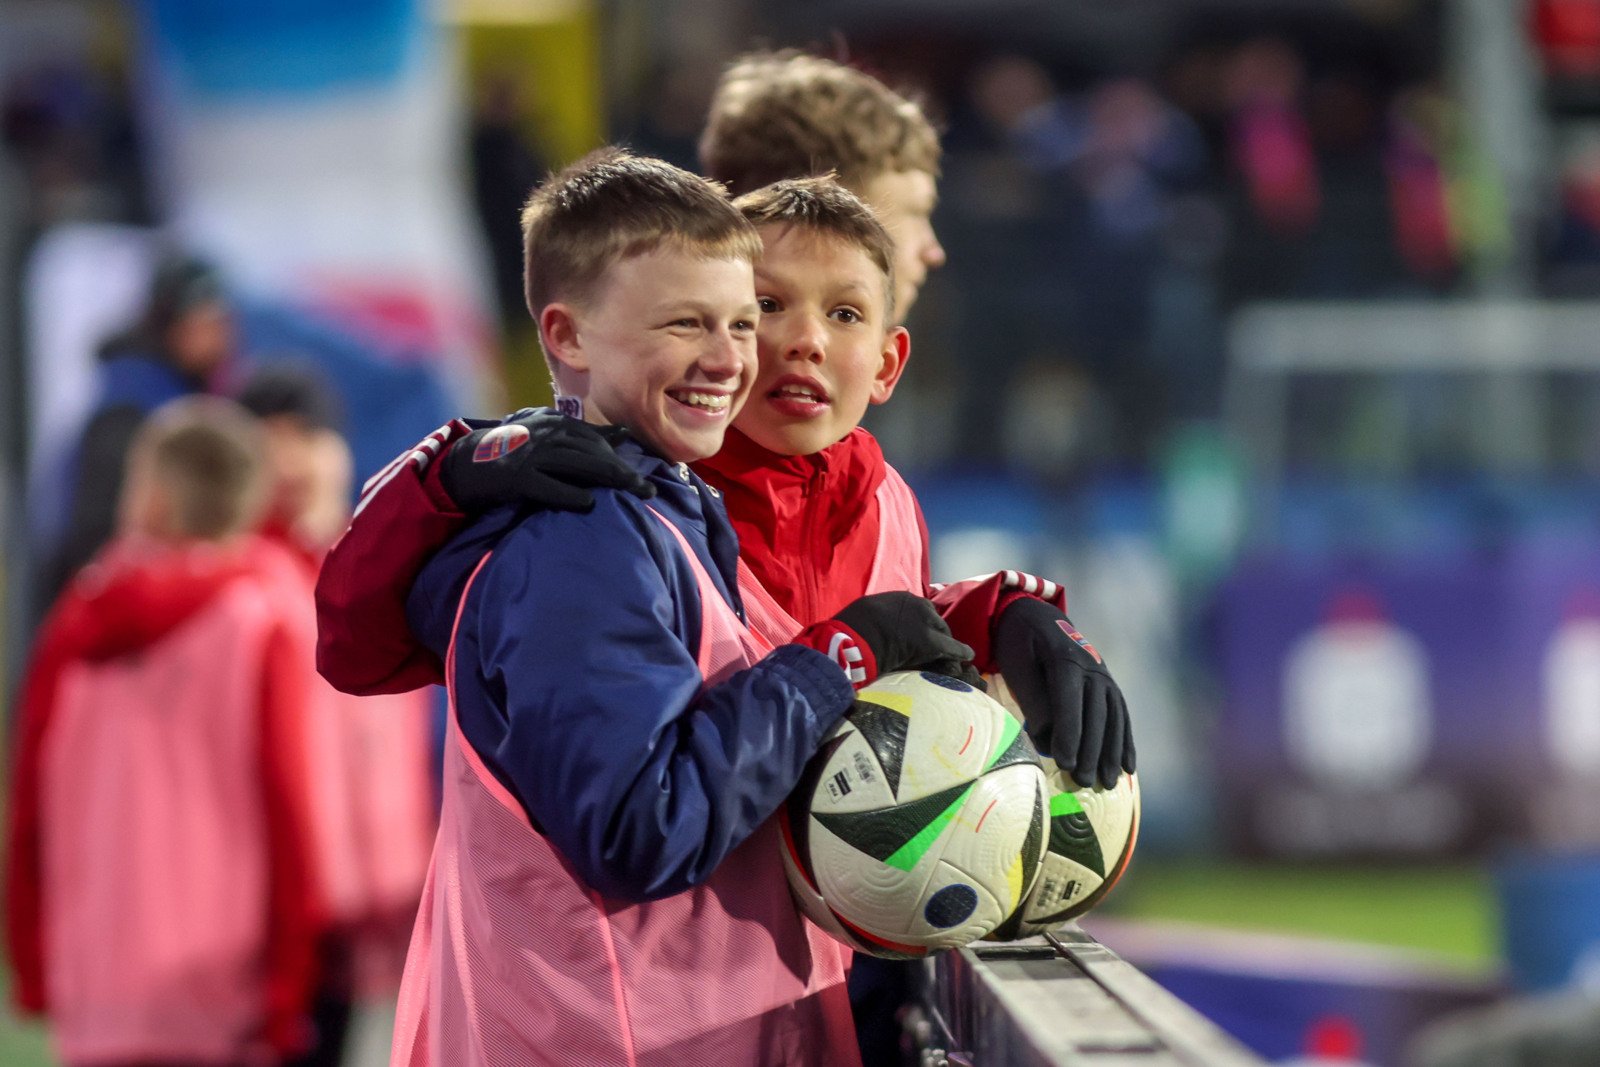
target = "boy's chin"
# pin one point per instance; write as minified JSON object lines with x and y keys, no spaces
{"x":793,"y":440}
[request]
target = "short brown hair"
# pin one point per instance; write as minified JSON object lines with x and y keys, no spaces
{"x":788,"y":114}
{"x":206,"y":453}
{"x":823,"y":206}
{"x":611,"y":205}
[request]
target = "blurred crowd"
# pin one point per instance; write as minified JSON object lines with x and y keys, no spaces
{"x":1101,"y":228}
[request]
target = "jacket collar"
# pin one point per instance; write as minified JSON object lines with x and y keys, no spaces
{"x":853,"y":466}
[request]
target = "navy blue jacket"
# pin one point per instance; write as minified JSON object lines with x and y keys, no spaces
{"x":576,"y":682}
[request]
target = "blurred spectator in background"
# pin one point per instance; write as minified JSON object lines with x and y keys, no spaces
{"x":307,"y":457}
{"x":505,"y":168}
{"x":1108,"y":172}
{"x":181,"y":346}
{"x":1275,"y":191}
{"x":162,"y":901}
{"x":71,"y":130}
{"x":1574,"y":240}
{"x":1421,"y":128}
{"x":369,"y":760}
{"x":675,"y":109}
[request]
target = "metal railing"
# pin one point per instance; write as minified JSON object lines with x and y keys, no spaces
{"x":1063,"y":1000}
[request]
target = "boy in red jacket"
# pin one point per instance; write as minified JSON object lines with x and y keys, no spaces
{"x":161,"y":901}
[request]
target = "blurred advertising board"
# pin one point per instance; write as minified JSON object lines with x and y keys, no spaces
{"x":1410,"y":707}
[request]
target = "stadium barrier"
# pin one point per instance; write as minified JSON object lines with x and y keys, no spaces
{"x":1063,"y":1000}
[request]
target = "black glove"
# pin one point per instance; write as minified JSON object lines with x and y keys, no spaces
{"x":537,"y":457}
{"x":1073,"y":710}
{"x":904,"y":632}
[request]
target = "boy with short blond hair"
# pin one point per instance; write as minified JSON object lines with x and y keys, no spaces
{"x":607,"y":884}
{"x":162,"y":903}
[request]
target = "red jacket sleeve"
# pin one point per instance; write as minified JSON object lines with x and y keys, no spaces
{"x":971,"y":607}
{"x":24,"y":905}
{"x":296,"y":915}
{"x":364,"y":646}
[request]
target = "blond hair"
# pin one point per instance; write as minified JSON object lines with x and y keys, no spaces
{"x":204,"y":453}
{"x":788,"y":114}
{"x":822,"y":206}
{"x":611,"y":205}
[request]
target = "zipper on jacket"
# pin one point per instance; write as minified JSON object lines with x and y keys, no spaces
{"x":815,"y":549}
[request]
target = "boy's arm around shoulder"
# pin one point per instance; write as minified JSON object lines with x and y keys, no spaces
{"x":364,"y":646}
{"x":644,"y":777}
{"x":534,"y":458}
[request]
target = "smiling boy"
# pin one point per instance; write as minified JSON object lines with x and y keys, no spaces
{"x":607,"y":886}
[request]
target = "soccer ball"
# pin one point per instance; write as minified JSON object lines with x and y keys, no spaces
{"x":920,"y":823}
{"x":1091,"y":836}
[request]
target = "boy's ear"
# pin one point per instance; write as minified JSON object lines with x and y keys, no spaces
{"x":558,"y":330}
{"x":896,"y":351}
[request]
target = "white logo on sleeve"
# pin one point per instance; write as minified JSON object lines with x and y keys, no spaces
{"x":843,"y":651}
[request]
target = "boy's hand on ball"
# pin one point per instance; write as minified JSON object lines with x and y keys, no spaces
{"x":1074,"y":712}
{"x":539,"y":458}
{"x":899,"y":631}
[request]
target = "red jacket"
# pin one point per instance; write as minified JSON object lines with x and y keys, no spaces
{"x":807,"y":525}
{"x":124,"y":605}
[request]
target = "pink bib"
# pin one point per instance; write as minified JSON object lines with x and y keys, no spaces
{"x":516,"y":962}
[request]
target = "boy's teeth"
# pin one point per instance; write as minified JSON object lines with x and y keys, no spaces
{"x":799,"y":391}
{"x":708,"y":401}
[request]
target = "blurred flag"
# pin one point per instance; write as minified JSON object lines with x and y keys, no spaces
{"x":315,"y":151}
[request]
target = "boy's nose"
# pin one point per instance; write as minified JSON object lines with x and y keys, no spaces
{"x":932,"y":251}
{"x":808,"y":342}
{"x":724,"y":357}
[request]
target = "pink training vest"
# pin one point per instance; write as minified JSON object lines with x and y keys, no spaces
{"x":155,"y":844}
{"x":897,"y":567}
{"x":515,"y":962}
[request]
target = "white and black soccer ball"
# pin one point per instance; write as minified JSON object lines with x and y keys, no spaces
{"x":1090,"y":838}
{"x":920,"y":824}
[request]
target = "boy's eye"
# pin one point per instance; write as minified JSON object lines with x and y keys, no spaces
{"x":767,"y":305}
{"x":743,"y":325}
{"x":847,"y":315}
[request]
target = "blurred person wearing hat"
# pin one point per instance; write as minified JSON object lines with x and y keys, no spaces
{"x":184,"y":338}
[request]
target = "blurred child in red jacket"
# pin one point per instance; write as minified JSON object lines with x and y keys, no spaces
{"x":162,"y":902}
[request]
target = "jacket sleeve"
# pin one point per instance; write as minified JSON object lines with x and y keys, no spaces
{"x":640,"y":774}
{"x":25,"y":905}
{"x":296,"y":915}
{"x":363,"y":644}
{"x":971,"y":607}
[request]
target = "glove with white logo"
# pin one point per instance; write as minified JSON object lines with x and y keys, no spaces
{"x":885,"y":632}
{"x":1074,"y":712}
{"x":537,"y":458}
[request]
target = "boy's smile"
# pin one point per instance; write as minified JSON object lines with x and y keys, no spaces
{"x":668,"y":345}
{"x":826,"y":352}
